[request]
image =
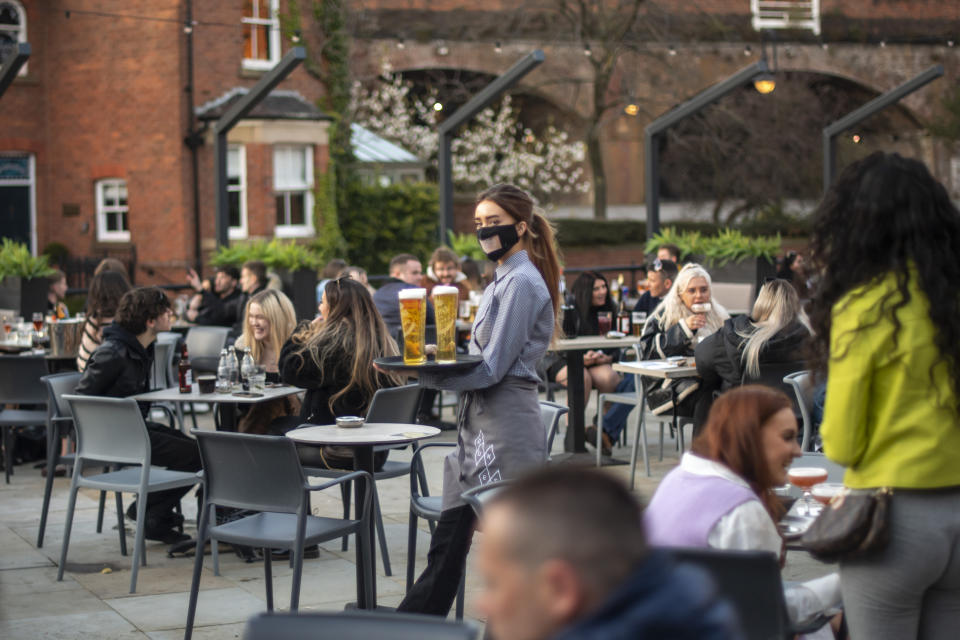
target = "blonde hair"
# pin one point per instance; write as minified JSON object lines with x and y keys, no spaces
{"x":279,"y":312}
{"x":351,"y":336}
{"x":673,"y":309}
{"x":777,"y":306}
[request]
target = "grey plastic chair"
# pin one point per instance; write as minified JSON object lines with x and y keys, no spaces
{"x":263,"y":474}
{"x":478,"y":496}
{"x":392,"y":405}
{"x":20,"y":384}
{"x":750,"y":581}
{"x":59,"y":426}
{"x":550,"y":414}
{"x":427,"y":507}
{"x":204,"y":345}
{"x":355,"y":625}
{"x":112,"y":431}
{"x":803,"y":389}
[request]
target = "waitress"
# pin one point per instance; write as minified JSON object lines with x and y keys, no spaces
{"x":500,"y":432}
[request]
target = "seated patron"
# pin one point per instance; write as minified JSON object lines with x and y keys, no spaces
{"x":120,"y":367}
{"x":55,"y":294}
{"x":556,"y":571}
{"x":444,"y":269}
{"x":217,"y":306}
{"x":721,"y":496}
{"x":106,"y":289}
{"x":405,"y":273}
{"x":253,"y":280}
{"x":660,"y":277}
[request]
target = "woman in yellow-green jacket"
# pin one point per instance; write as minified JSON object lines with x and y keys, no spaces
{"x":886,"y":316}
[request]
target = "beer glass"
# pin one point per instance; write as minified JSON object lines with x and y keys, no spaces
{"x":638,"y":319}
{"x":413,"y":320}
{"x":445,"y":303}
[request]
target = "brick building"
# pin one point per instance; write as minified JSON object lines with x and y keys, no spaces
{"x":97,"y":135}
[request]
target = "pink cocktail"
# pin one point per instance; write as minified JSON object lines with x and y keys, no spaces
{"x":825,"y":491}
{"x":804,"y":478}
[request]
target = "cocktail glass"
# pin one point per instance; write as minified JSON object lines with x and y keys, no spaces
{"x":804,"y":478}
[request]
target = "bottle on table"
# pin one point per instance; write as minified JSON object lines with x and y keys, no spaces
{"x":623,"y":318}
{"x":233,"y":367}
{"x":184,"y":372}
{"x":248,"y":368}
{"x":224,"y":385}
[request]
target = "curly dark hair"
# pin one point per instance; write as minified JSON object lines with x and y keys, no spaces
{"x":106,"y":289}
{"x":887,"y":215}
{"x":137,"y":306}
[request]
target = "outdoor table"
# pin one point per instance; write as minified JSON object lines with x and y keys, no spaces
{"x":363,"y":440}
{"x":573,"y":349}
{"x":228,"y":402}
{"x":663,"y":369}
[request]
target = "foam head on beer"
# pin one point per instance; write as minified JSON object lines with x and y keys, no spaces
{"x":414,"y":293}
{"x":443,"y":290}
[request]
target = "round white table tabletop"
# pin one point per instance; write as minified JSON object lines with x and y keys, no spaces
{"x":369,"y":434}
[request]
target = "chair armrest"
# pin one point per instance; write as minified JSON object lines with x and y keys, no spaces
{"x":416,"y":465}
{"x":347,"y":477}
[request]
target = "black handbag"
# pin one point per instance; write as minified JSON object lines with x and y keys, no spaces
{"x":854,"y":524}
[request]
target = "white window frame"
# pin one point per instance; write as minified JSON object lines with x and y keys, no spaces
{"x":22,"y":33}
{"x":296,"y":230}
{"x":239,"y":233}
{"x":103,"y":209}
{"x":31,"y":183}
{"x":272,"y":22}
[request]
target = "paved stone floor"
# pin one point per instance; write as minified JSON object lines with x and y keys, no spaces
{"x":93,"y":599}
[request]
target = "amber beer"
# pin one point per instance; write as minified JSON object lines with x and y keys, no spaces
{"x":445,"y":305}
{"x":413,"y":320}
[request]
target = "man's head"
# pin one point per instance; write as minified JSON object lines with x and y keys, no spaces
{"x":406,"y":267}
{"x":144,"y":309}
{"x":555,"y":545}
{"x":445,"y":265}
{"x":253,"y":276}
{"x":225,"y":279}
{"x":660,"y":277}
{"x":669,"y":252}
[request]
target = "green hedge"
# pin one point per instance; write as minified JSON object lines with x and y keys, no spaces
{"x":380,"y":222}
{"x":589,"y":233}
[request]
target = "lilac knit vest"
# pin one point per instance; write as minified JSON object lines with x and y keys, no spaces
{"x":687,"y":506}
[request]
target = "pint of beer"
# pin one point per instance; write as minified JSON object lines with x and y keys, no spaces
{"x":413,"y":320}
{"x":445,"y":304}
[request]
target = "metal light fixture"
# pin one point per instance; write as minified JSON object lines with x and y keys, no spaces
{"x":764,"y":82}
{"x":401,"y":44}
{"x":586,"y":50}
{"x":632,"y":108}
{"x":497,"y":47}
{"x":443,"y":49}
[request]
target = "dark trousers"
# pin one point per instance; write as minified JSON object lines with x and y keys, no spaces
{"x":174,"y":450}
{"x":435,"y":590}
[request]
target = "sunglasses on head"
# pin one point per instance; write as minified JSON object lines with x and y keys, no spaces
{"x":657,"y":265}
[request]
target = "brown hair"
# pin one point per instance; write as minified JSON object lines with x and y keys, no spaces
{"x":731,"y":436}
{"x":444,"y":255}
{"x":540,"y":240}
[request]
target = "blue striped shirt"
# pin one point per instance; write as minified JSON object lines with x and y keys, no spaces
{"x":512,"y":330}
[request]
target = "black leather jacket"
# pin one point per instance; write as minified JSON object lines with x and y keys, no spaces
{"x":119,"y":367}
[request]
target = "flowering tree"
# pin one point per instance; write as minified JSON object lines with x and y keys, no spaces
{"x":493,"y":148}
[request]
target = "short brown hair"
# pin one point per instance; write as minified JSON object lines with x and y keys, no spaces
{"x":401,"y":260}
{"x":443,"y":255}
{"x":258,"y":269}
{"x":137,"y":306}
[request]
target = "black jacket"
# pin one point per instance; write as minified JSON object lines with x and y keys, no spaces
{"x":300,"y":370}
{"x":647,"y":303}
{"x":719,"y":356}
{"x":657,"y":342}
{"x":218,"y":311}
{"x":119,"y":367}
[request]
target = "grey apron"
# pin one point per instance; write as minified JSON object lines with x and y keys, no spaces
{"x":500,"y":434}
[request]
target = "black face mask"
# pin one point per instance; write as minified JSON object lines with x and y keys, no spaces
{"x":496,"y":241}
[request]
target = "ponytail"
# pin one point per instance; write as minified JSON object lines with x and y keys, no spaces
{"x":545,"y":256}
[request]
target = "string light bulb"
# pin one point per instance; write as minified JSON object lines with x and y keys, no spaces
{"x":443,"y":49}
{"x":401,"y":44}
{"x":438,"y":106}
{"x":631,"y":109}
{"x":672,"y":50}
{"x":764,"y":83}
{"x":497,"y":47}
{"x":586,"y":50}
{"x":747,"y":50}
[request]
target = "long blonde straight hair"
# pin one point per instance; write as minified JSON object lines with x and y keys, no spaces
{"x":278,"y":309}
{"x":777,"y":306}
{"x":674,"y":310}
{"x":353,"y":333}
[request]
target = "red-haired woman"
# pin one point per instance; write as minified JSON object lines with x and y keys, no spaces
{"x":721,"y":496}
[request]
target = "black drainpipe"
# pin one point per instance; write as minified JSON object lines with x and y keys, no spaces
{"x":193,"y":140}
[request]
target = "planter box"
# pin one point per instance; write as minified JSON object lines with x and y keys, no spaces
{"x":750,"y":272}
{"x":301,"y":287}
{"x":25,"y":296}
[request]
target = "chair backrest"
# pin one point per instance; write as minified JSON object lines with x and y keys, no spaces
{"x":109,"y":429}
{"x":164,"y":350}
{"x":20,"y":380}
{"x":397,"y":404}
{"x":750,"y":581}
{"x":736,"y":297}
{"x":244,"y":471}
{"x":355,"y":625}
{"x":802,"y":384}
{"x":59,"y":385}
{"x":550,"y":414}
{"x":478,"y":496}
{"x":204,"y":345}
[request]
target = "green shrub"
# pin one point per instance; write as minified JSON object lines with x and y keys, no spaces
{"x":727,"y":245}
{"x":275,"y":254}
{"x":465,"y":244}
{"x":380,"y":222}
{"x":16,"y":260}
{"x":589,"y":233}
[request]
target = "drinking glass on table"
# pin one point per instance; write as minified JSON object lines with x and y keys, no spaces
{"x":37,"y":321}
{"x":804,"y":478}
{"x":258,"y":379}
{"x":7,"y":326}
{"x":604,"y":322}
{"x":637,"y":320}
